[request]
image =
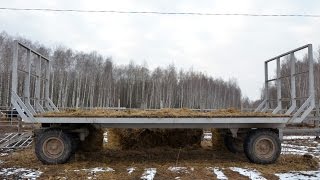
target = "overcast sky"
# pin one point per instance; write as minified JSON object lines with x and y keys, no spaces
{"x":222,"y":47}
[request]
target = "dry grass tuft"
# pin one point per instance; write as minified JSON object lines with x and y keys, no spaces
{"x":217,"y":139}
{"x":114,"y":139}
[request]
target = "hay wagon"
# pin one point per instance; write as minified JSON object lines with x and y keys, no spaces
{"x":258,"y":136}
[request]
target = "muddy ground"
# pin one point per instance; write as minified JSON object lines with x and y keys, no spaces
{"x":167,"y":163}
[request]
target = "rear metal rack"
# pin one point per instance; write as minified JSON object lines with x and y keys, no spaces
{"x":298,"y":114}
{"x":23,"y":69}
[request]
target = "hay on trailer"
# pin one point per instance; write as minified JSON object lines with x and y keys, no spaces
{"x":156,"y":113}
{"x":150,"y":138}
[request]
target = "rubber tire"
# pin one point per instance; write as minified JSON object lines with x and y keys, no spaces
{"x":64,"y":137}
{"x":231,"y":146}
{"x":250,"y":140}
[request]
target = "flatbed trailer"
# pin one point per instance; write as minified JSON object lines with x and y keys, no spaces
{"x":258,"y":137}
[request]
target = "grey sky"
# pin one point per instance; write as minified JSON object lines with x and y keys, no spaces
{"x":225,"y":47}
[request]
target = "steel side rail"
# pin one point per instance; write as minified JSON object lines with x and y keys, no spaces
{"x":240,"y":122}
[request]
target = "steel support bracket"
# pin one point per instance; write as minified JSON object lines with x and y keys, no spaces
{"x":281,"y":134}
{"x":234,"y":132}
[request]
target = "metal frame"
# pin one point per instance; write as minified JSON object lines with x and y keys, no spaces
{"x":233,"y":122}
{"x":8,"y":118}
{"x":27,"y":111}
{"x":298,"y":113}
{"x":22,"y":103}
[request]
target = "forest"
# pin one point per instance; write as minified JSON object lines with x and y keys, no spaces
{"x":88,"y":79}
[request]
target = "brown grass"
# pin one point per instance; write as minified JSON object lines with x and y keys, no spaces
{"x":150,"y":138}
{"x":234,"y":175}
{"x":217,"y":140}
{"x":160,"y":158}
{"x":160,"y":113}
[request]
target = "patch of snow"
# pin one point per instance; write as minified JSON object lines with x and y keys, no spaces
{"x":1,"y":162}
{"x":177,"y":178}
{"x":250,"y":173}
{"x":218,"y":172}
{"x":298,"y":137}
{"x":149,"y":174}
{"x":97,"y":170}
{"x":180,"y":169}
{"x":105,"y":137}
{"x":3,"y":154}
{"x":207,"y":136}
{"x":21,"y":173}
{"x":29,"y":175}
{"x":311,"y":175}
{"x":94,"y":171}
{"x":130,"y":170}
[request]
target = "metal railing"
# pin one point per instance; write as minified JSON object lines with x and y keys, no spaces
{"x":34,"y":66}
{"x":9,"y":118}
{"x":298,"y":113}
{"x":15,"y":140}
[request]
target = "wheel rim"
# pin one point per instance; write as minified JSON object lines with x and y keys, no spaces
{"x":53,"y":147}
{"x":264,"y":148}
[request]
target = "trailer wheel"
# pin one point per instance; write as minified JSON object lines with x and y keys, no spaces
{"x":233,"y":145}
{"x":53,"y":147}
{"x":262,"y":146}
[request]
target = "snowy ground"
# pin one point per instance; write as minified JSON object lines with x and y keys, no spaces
{"x":150,"y":173}
{"x":291,"y":145}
